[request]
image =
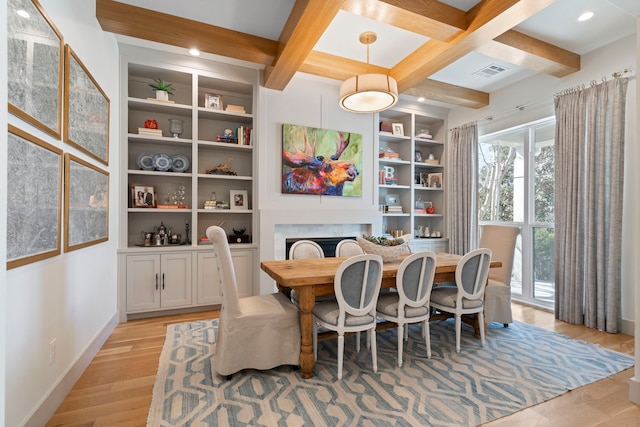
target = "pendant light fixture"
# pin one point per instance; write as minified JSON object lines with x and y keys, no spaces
{"x":368,"y":93}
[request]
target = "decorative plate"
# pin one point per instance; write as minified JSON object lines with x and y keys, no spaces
{"x":145,"y":161}
{"x":180,"y":163}
{"x":162,"y":162}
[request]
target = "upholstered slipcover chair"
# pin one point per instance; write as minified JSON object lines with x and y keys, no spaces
{"x":467,"y":296}
{"x":258,"y":332}
{"x":356,"y":284}
{"x":501,"y":239}
{"x":410,"y":304}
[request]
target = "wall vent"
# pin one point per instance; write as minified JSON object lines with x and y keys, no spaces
{"x":490,"y":70}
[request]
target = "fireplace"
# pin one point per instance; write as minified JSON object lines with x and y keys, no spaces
{"x":328,"y":244}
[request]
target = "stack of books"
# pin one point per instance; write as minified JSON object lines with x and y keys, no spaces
{"x":223,"y":138}
{"x":393,"y":209}
{"x":244,"y":135}
{"x":149,"y":132}
{"x":235,"y":108}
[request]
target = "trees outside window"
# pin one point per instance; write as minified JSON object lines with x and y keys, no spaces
{"x":516,"y":187}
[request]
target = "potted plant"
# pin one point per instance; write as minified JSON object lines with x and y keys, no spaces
{"x":162,"y":88}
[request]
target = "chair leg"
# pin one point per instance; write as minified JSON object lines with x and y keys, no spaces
{"x":400,"y":342}
{"x":406,"y":334}
{"x":374,"y":350}
{"x":315,"y":341}
{"x":427,"y":337}
{"x":340,"y":354}
{"x":358,"y":342}
{"x":458,"y":331}
{"x":481,"y":319}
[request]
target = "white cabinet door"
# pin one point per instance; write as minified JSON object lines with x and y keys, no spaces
{"x":208,"y":279}
{"x":143,"y":282}
{"x":158,"y":281}
{"x":208,"y":287}
{"x":175,"y":280}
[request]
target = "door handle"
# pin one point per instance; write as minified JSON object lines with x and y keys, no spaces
{"x":156,"y":281}
{"x":162,"y":280}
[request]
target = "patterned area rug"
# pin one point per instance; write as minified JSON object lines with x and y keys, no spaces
{"x":521,"y":366}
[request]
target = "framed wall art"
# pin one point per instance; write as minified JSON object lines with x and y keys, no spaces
{"x":86,"y":112}
{"x":86,"y":204}
{"x":321,"y":161}
{"x":34,"y":66}
{"x":34,"y":198}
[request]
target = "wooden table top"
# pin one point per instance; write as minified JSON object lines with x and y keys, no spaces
{"x":315,"y":271}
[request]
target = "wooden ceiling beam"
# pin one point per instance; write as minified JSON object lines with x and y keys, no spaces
{"x":487,"y":20}
{"x":146,"y":24}
{"x":451,"y":94}
{"x":307,"y":22}
{"x":429,"y":18}
{"x":337,"y":68}
{"x":525,"y":51}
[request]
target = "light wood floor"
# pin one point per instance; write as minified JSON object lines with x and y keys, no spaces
{"x":115,"y":390}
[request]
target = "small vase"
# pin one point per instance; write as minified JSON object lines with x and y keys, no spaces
{"x":175,"y":127}
{"x":162,"y":95}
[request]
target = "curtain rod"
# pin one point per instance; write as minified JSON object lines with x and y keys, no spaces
{"x":592,"y":83}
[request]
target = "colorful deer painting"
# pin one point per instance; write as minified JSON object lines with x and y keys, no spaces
{"x":320,"y":161}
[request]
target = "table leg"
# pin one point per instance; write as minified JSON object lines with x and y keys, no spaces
{"x":307,"y":302}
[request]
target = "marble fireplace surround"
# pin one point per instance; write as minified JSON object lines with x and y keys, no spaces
{"x":278,"y":225}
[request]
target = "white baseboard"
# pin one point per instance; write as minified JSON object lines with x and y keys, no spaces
{"x":50,"y":402}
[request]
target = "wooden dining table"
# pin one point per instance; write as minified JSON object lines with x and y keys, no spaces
{"x":314,"y":277}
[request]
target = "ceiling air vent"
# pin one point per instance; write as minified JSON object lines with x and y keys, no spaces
{"x":490,"y":70}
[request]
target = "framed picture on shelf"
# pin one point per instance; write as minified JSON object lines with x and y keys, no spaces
{"x":212,"y":101}
{"x":238,"y":200}
{"x":143,"y":196}
{"x":418,"y":156}
{"x":398,"y":129}
{"x":392,"y":200}
{"x":435,"y":180}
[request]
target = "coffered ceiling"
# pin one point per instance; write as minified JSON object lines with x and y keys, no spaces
{"x":451,"y":51}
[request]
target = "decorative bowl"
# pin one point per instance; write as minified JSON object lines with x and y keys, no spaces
{"x":388,"y":253}
{"x":239,"y":231}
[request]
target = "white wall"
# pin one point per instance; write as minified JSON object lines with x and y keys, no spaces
{"x":70,"y":297}
{"x":536,"y":93}
{"x":3,"y":214}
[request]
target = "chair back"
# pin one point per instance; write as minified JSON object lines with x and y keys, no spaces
{"x":228,"y":284}
{"x":414,"y":279}
{"x":501,"y":239}
{"x":305,"y":249}
{"x":357,"y":285}
{"x":471,"y":274}
{"x":348,"y":247}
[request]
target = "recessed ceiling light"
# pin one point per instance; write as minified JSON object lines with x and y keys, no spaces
{"x":585,"y":16}
{"x":194,"y":52}
{"x":23,"y":13}
{"x":421,"y":99}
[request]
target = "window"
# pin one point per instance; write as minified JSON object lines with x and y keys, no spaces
{"x":516,"y":187}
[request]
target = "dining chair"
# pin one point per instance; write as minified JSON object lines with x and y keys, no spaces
{"x":501,"y":239}
{"x":410,"y":304}
{"x":348,"y":247}
{"x":257,"y":332}
{"x":356,"y":285}
{"x":303,"y":249}
{"x":467,"y":296}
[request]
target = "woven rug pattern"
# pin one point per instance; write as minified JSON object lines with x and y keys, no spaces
{"x":521,"y":366}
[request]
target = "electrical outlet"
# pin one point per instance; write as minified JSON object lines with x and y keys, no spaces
{"x":53,"y":351}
